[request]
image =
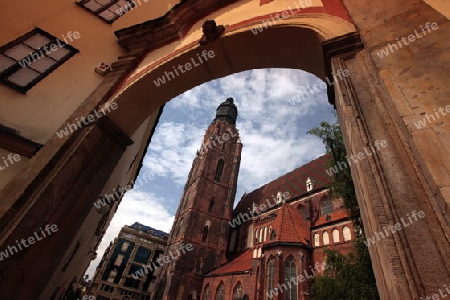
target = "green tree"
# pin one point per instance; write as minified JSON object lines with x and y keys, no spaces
{"x":347,"y":277}
{"x":342,"y":185}
{"x":351,"y":276}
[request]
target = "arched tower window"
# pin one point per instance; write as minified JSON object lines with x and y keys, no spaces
{"x":205,"y":233}
{"x":207,"y":293}
{"x":198,"y":267}
{"x":219,"y":170}
{"x":233,"y":239}
{"x":220,"y":295}
{"x":290,"y":271}
{"x":238,"y":294}
{"x":270,"y":274}
{"x":326,"y":206}
{"x":211,"y":204}
{"x":265,"y":234}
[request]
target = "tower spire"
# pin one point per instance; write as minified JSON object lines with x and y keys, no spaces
{"x":227,"y":111}
{"x":205,"y":210}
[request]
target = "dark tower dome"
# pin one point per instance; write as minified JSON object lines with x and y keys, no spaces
{"x":227,"y":112}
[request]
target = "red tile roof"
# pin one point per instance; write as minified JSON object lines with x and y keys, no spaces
{"x":293,"y":182}
{"x":338,"y":215}
{"x":289,"y":226}
{"x":241,"y":263}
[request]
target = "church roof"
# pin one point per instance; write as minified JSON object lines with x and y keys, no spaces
{"x":293,"y":182}
{"x":241,"y":263}
{"x":290,"y":226}
{"x":334,"y":216}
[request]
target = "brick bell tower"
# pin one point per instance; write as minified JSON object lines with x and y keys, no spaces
{"x":205,"y":209}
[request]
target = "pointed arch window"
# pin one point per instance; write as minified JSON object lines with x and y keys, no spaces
{"x":327,"y":206}
{"x":211,"y":204}
{"x":325,"y":238}
{"x":302,"y":210}
{"x":205,"y":233}
{"x":290,"y":271}
{"x":198,"y":267}
{"x":207,"y":293}
{"x":346,"y":233}
{"x":238,"y":293}
{"x":219,"y":170}
{"x":270,"y":274}
{"x":335,"y":234}
{"x":220,"y":295}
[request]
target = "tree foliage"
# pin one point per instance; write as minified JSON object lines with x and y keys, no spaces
{"x":351,"y":276}
{"x":348,"y":277}
{"x":342,"y":185}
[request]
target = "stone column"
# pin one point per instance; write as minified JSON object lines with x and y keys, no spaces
{"x":415,"y":260}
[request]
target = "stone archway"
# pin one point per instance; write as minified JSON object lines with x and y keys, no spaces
{"x":390,"y":184}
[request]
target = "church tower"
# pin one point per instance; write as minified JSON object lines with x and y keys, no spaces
{"x":201,"y":223}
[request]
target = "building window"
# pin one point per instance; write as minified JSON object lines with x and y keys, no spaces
{"x":221,"y":292}
{"x":207,"y":293}
{"x":325,"y":238}
{"x":316,"y":240}
{"x":119,"y":260}
{"x":108,"y":10}
{"x":112,"y":275}
{"x":273,"y":234}
{"x":238,"y":294}
{"x":132,"y":283}
{"x":124,"y":246}
{"x":107,"y":288}
{"x":30,"y":58}
{"x":233,"y":238}
{"x":219,"y":170}
{"x":211,"y":205}
{"x":205,"y":233}
{"x":302,"y":210}
{"x":327,"y":206}
{"x":289,"y":273}
{"x":142,"y":255}
{"x":250,"y":236}
{"x":346,"y":233}
{"x":335,"y":234}
{"x":198,"y":267}
{"x":133,"y":269}
{"x":270,"y":277}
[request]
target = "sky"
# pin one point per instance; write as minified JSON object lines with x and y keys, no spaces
{"x":276,"y":107}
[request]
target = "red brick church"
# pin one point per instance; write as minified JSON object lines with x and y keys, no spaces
{"x":269,"y":245}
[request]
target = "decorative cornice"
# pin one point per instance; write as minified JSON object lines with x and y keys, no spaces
{"x":174,"y":25}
